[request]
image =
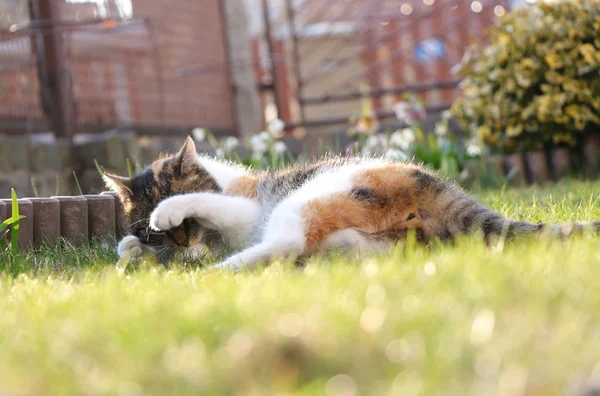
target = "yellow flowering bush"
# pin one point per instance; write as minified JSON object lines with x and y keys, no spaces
{"x":539,"y":79}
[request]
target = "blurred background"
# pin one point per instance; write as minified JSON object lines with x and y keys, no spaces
{"x":92,"y":84}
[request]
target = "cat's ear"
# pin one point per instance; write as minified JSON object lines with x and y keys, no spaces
{"x":186,"y":160}
{"x":119,"y":184}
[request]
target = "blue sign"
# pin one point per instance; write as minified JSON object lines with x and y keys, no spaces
{"x":430,"y":50}
{"x":516,"y":3}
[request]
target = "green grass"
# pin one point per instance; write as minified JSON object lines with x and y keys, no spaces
{"x":451,"y":320}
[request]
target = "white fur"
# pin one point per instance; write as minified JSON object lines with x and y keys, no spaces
{"x":224,"y":173}
{"x":284,"y":234}
{"x":130,"y":247}
{"x":235,"y":217}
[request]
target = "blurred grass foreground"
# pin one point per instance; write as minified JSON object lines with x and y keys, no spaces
{"x":450,"y":320}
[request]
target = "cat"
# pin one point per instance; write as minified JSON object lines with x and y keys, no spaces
{"x":192,"y":206}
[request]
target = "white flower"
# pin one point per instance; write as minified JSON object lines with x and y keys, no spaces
{"x":219,"y":152}
{"x":402,"y":110}
{"x":231,"y":143}
{"x":258,"y":144}
{"x":441,"y":129}
{"x":366,"y":152}
{"x":408,"y":135}
{"x":446,"y":114}
{"x":395,"y":155}
{"x":473,"y":150}
{"x":399,"y":141}
{"x":396,"y":138}
{"x":410,"y":112}
{"x":265,"y":136}
{"x":199,"y":134}
{"x":372,"y":142}
{"x":276,"y":128}
{"x":280,"y":148}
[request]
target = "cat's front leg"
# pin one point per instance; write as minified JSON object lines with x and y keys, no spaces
{"x":130,"y":248}
{"x":284,"y":238}
{"x":235,"y":217}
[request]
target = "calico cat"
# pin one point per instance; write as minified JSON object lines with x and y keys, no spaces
{"x":194,"y":205}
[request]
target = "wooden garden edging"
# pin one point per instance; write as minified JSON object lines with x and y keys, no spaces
{"x":77,"y":219}
{"x":540,"y":166}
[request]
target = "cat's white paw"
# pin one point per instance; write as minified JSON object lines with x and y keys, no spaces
{"x":168,"y":214}
{"x":229,"y":264}
{"x":131,"y":248}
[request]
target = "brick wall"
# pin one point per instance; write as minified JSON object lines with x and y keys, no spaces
{"x":190,"y":37}
{"x":115,"y":74}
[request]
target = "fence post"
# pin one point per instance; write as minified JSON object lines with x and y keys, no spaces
{"x":101,"y":214}
{"x":3,"y":215}
{"x":46,"y":221}
{"x":74,"y":219}
{"x":120,"y":220}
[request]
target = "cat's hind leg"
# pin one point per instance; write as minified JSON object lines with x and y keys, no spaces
{"x":284,"y":238}
{"x":350,"y":240}
{"x":290,"y":234}
{"x":346,"y":240}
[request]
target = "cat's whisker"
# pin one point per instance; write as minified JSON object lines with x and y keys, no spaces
{"x":137,"y":222}
{"x":211,"y":233}
{"x":163,"y":249}
{"x":156,"y":233}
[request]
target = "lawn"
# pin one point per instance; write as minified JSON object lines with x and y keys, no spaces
{"x":513,"y":319}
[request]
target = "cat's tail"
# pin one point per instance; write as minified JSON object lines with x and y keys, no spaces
{"x":472,"y":217}
{"x":512,"y":228}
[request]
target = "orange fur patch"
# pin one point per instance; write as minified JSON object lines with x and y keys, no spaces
{"x":394,"y":200}
{"x":179,"y":234}
{"x":156,"y":193}
{"x":127,"y":205}
{"x":244,"y":186}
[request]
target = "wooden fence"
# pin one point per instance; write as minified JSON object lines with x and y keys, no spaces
{"x":76,"y":219}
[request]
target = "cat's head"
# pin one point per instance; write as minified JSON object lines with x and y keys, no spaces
{"x":170,"y":175}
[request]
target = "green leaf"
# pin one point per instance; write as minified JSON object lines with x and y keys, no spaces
{"x":14,"y":236}
{"x":8,"y":222}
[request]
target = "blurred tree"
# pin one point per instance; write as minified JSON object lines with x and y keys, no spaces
{"x":538,"y":82}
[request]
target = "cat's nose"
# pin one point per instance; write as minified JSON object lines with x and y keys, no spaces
{"x":179,"y":236}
